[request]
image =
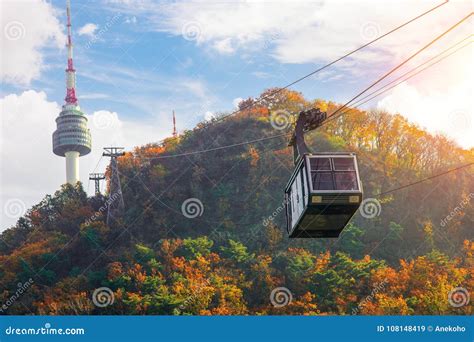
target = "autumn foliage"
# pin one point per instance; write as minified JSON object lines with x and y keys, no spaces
{"x":230,"y":259}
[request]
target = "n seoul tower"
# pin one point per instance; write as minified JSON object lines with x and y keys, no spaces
{"x":72,"y":138}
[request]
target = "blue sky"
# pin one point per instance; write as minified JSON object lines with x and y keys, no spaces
{"x":137,"y":60}
{"x":130,"y":69}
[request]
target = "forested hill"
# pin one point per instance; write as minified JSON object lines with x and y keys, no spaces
{"x":231,"y":256}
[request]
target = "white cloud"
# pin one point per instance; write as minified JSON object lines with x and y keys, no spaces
{"x":319,"y":32}
{"x":224,"y":46}
{"x":88,"y":30}
{"x":131,"y":20}
{"x":196,"y":87}
{"x":208,"y":115}
{"x":30,"y":170}
{"x":303,"y":31}
{"x":139,"y":89}
{"x":445,"y":112}
{"x":261,"y":74}
{"x":236,"y":101}
{"x":27,"y":28}
{"x":440,"y":98}
{"x":93,"y":96}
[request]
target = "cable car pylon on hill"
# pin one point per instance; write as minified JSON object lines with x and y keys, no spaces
{"x":325,"y":190}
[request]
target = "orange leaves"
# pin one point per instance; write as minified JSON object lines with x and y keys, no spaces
{"x":419,"y":286}
{"x":152,"y":151}
{"x":394,"y":282}
{"x":322,"y":261}
{"x":178,"y":263}
{"x":115,"y":270}
{"x":25,"y":254}
{"x":468,"y":247}
{"x":168,"y":247}
{"x":299,"y":305}
{"x":61,"y":303}
{"x":321,"y":104}
{"x":36,"y":218}
{"x":194,"y":276}
{"x":366,"y":258}
{"x":254,"y":156}
{"x":384,"y":304}
{"x":137,"y":273}
{"x":229,"y":298}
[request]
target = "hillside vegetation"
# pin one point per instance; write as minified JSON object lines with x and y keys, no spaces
{"x":229,"y":260}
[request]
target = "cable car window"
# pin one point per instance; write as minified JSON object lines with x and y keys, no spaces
{"x":346,"y":180}
{"x":320,"y":164}
{"x":322,"y":180}
{"x":343,"y":164}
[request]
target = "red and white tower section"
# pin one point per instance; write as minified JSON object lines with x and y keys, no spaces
{"x":72,"y":138}
{"x":175,"y":132}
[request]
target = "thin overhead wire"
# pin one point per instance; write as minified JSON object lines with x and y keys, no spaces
{"x":402,"y":79}
{"x":219,"y":147}
{"x":379,"y":92}
{"x":255,"y":223}
{"x":221,"y":118}
{"x":401,"y":64}
{"x":97,"y":165}
{"x":93,"y":171}
{"x":424,"y":179}
{"x":413,"y":75}
{"x":175,"y":211}
{"x":331,"y":63}
{"x":327,"y":65}
{"x":420,"y":65}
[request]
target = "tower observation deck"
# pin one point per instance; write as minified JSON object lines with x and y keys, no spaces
{"x":72,"y":138}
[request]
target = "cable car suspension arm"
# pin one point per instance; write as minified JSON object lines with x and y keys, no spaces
{"x":308,"y":120}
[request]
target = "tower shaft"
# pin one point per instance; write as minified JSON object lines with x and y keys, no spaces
{"x":72,"y":167}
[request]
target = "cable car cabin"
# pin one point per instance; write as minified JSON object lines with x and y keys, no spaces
{"x":322,"y":195}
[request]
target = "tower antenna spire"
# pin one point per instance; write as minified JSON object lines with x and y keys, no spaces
{"x":72,"y":138}
{"x":175,"y":132}
{"x":70,"y":71}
